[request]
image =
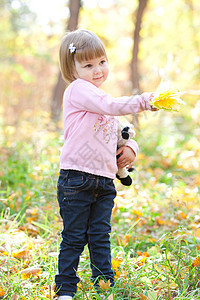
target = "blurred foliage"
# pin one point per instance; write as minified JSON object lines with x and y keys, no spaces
{"x":156,"y":234}
{"x":160,"y":212}
{"x":19,"y":13}
{"x":169,"y":50}
{"x":24,"y":57}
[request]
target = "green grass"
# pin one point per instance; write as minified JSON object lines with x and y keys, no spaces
{"x":155,"y":237}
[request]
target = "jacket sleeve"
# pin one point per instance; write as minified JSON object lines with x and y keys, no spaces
{"x":130,"y":142}
{"x":85,"y":96}
{"x":133,"y":145}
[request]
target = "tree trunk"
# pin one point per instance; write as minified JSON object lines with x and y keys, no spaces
{"x":56,"y":102}
{"x":134,"y":62}
{"x":194,"y":28}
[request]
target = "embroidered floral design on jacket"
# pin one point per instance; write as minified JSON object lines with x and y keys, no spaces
{"x":107,"y":126}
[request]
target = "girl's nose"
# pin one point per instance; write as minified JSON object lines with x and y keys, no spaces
{"x":97,"y":70}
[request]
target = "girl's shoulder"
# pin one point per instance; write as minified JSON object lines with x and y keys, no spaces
{"x":84,"y":83}
{"x":81,"y":86}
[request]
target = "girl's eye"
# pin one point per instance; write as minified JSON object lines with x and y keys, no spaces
{"x":88,"y":66}
{"x":102,"y":62}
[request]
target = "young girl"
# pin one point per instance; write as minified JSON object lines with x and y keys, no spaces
{"x":88,"y":159}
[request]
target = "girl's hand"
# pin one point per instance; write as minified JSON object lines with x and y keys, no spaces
{"x":150,"y":99}
{"x":154,"y":108}
{"x":127,"y":157}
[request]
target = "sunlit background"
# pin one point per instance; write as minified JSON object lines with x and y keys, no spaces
{"x":169,"y":50}
{"x":160,"y":212}
{"x":31,"y":31}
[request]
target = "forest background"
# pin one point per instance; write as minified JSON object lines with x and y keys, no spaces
{"x":156,"y":222}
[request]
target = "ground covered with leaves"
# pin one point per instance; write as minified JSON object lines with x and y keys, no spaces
{"x":155,"y":222}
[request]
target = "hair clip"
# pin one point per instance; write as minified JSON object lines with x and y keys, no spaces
{"x":72,"y":48}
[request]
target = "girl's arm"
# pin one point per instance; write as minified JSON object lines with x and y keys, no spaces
{"x":129,"y":152}
{"x":85,"y":96}
{"x":127,"y":157}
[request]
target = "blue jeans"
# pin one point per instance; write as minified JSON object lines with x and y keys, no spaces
{"x":86,"y":203}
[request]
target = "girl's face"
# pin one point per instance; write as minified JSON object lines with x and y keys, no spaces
{"x":95,"y":70}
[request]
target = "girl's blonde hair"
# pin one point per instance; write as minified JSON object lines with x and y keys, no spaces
{"x":87,"y":46}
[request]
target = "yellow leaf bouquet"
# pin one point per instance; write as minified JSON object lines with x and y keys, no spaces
{"x":167,"y":98}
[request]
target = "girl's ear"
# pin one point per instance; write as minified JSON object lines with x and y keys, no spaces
{"x":76,"y":76}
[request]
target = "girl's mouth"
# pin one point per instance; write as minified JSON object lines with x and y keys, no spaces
{"x":98,"y":78}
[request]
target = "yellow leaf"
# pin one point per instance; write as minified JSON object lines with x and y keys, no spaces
{"x":32,"y":211}
{"x":2,"y":293}
{"x":115,"y":264}
{"x":20,"y":253}
{"x":104,"y":285}
{"x":181,"y":215}
{"x":30,"y":219}
{"x":117,"y":274}
{"x":143,"y":260}
{"x":160,"y":221}
{"x":27,"y":273}
{"x":167,"y":98}
{"x":126,"y":240}
{"x":146,"y":254}
{"x":90,"y":286}
{"x":137,"y":213}
{"x":196,"y":262}
{"x":3,"y":251}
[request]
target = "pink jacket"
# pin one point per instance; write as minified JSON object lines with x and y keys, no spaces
{"x":90,"y":127}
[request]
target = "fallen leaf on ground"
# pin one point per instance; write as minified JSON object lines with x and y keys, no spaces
{"x":196,"y":262}
{"x":30,"y":228}
{"x":115,"y":264}
{"x":3,"y":251}
{"x":126,"y":240}
{"x":27,"y":273}
{"x":104,"y":285}
{"x":20,"y":253}
{"x":2,"y":293}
